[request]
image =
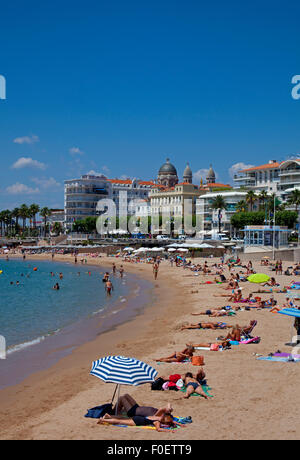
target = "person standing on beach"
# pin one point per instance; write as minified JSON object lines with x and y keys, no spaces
{"x":155,"y":270}
{"x":121,"y":271}
{"x":114,"y":268}
{"x":75,"y":260}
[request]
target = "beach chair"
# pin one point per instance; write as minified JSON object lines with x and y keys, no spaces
{"x":247,"y":334}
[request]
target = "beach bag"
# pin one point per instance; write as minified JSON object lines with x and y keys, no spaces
{"x":198,"y":360}
{"x":174,"y":378}
{"x":214,"y":347}
{"x":99,"y":411}
{"x":157,"y":384}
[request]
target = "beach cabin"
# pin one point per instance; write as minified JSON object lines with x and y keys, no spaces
{"x":266,"y":236}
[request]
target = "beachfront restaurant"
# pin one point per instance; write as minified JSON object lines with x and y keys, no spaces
{"x":265,"y":235}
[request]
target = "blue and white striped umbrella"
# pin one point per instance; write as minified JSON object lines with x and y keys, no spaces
{"x":123,"y":371}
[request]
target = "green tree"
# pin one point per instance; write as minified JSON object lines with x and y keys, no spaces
{"x":45,"y":213}
{"x":241,"y":206}
{"x":24,"y":214}
{"x":250,"y":199}
{"x":219,"y":204}
{"x":294,"y":199}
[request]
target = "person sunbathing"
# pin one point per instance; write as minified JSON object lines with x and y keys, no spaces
{"x":209,"y":325}
{"x":127,"y":403}
{"x":224,"y":344}
{"x":178,"y":357}
{"x":271,"y":282}
{"x":192,"y":386}
{"x":214,"y":313}
{"x":237,"y":331}
{"x":138,"y":420}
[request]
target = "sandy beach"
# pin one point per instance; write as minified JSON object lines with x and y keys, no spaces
{"x":251,"y":399}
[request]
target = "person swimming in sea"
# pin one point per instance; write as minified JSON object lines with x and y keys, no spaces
{"x":56,"y":287}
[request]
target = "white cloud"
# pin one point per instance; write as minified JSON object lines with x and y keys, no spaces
{"x":237,"y":167}
{"x":28,"y":163}
{"x":21,"y":189}
{"x":105,"y":169}
{"x":76,"y":151}
{"x":50,"y":183}
{"x":26,"y":140}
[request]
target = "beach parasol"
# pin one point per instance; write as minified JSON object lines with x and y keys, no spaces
{"x":172,"y":249}
{"x":123,"y":371}
{"x":266,"y":257}
{"x":258,"y":278}
{"x":296,"y":314}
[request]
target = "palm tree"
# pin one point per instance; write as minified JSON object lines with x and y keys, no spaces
{"x":263,"y":197}
{"x":241,"y":206}
{"x":250,"y":199}
{"x":16,"y":214}
{"x":294,"y":199}
{"x":33,"y":210}
{"x":24,"y":214}
{"x":7,"y":219}
{"x":219,"y":203}
{"x":45,"y":212}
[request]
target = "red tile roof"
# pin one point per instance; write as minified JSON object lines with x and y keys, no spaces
{"x":266,"y":166}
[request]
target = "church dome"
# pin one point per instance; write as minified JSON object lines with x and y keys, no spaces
{"x":211,"y":177}
{"x":187,"y":172}
{"x":167,"y":168}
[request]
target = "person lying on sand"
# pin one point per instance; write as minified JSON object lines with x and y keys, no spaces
{"x":139,"y":420}
{"x":209,"y":325}
{"x":236,"y":333}
{"x":271,"y":282}
{"x":129,"y":405}
{"x":225,"y":344}
{"x":213,"y":313}
{"x":178,"y":357}
{"x":192,"y":386}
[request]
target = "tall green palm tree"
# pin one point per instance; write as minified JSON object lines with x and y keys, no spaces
{"x":241,"y":206}
{"x":24,"y":214}
{"x":33,"y":210}
{"x":250,"y":199}
{"x":16,"y":215}
{"x":2,"y":216}
{"x":262,"y":198}
{"x":294,"y":199}
{"x":7,"y":219}
{"x":45,"y":213}
{"x":219,"y":204}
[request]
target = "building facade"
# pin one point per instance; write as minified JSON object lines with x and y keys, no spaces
{"x":209,"y":215}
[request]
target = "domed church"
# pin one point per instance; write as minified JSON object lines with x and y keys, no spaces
{"x":167,"y":175}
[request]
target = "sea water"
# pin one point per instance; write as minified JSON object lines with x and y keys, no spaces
{"x":32,"y":310}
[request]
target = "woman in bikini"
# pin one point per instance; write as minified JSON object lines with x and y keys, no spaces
{"x":139,"y":420}
{"x":178,"y":357}
{"x":210,"y":325}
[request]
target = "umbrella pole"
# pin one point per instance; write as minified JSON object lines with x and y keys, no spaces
{"x":118,"y":386}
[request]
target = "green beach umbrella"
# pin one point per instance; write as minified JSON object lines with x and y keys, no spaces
{"x":258,"y":278}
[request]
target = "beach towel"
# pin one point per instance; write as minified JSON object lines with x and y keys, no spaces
{"x":252,"y":340}
{"x":278,"y":359}
{"x":175,"y":362}
{"x":183,"y":420}
{"x":205,"y":388}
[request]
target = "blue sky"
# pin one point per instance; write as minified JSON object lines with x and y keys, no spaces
{"x":116,"y":87}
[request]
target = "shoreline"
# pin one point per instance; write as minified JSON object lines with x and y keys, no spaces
{"x":115,"y":336}
{"x":44,"y":351}
{"x":251,"y":399}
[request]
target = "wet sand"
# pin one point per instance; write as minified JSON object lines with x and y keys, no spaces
{"x":252,"y":399}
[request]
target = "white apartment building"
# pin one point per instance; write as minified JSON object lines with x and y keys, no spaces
{"x":265,"y":177}
{"x":209,"y":216}
{"x":274,"y":177}
{"x":82,"y":196}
